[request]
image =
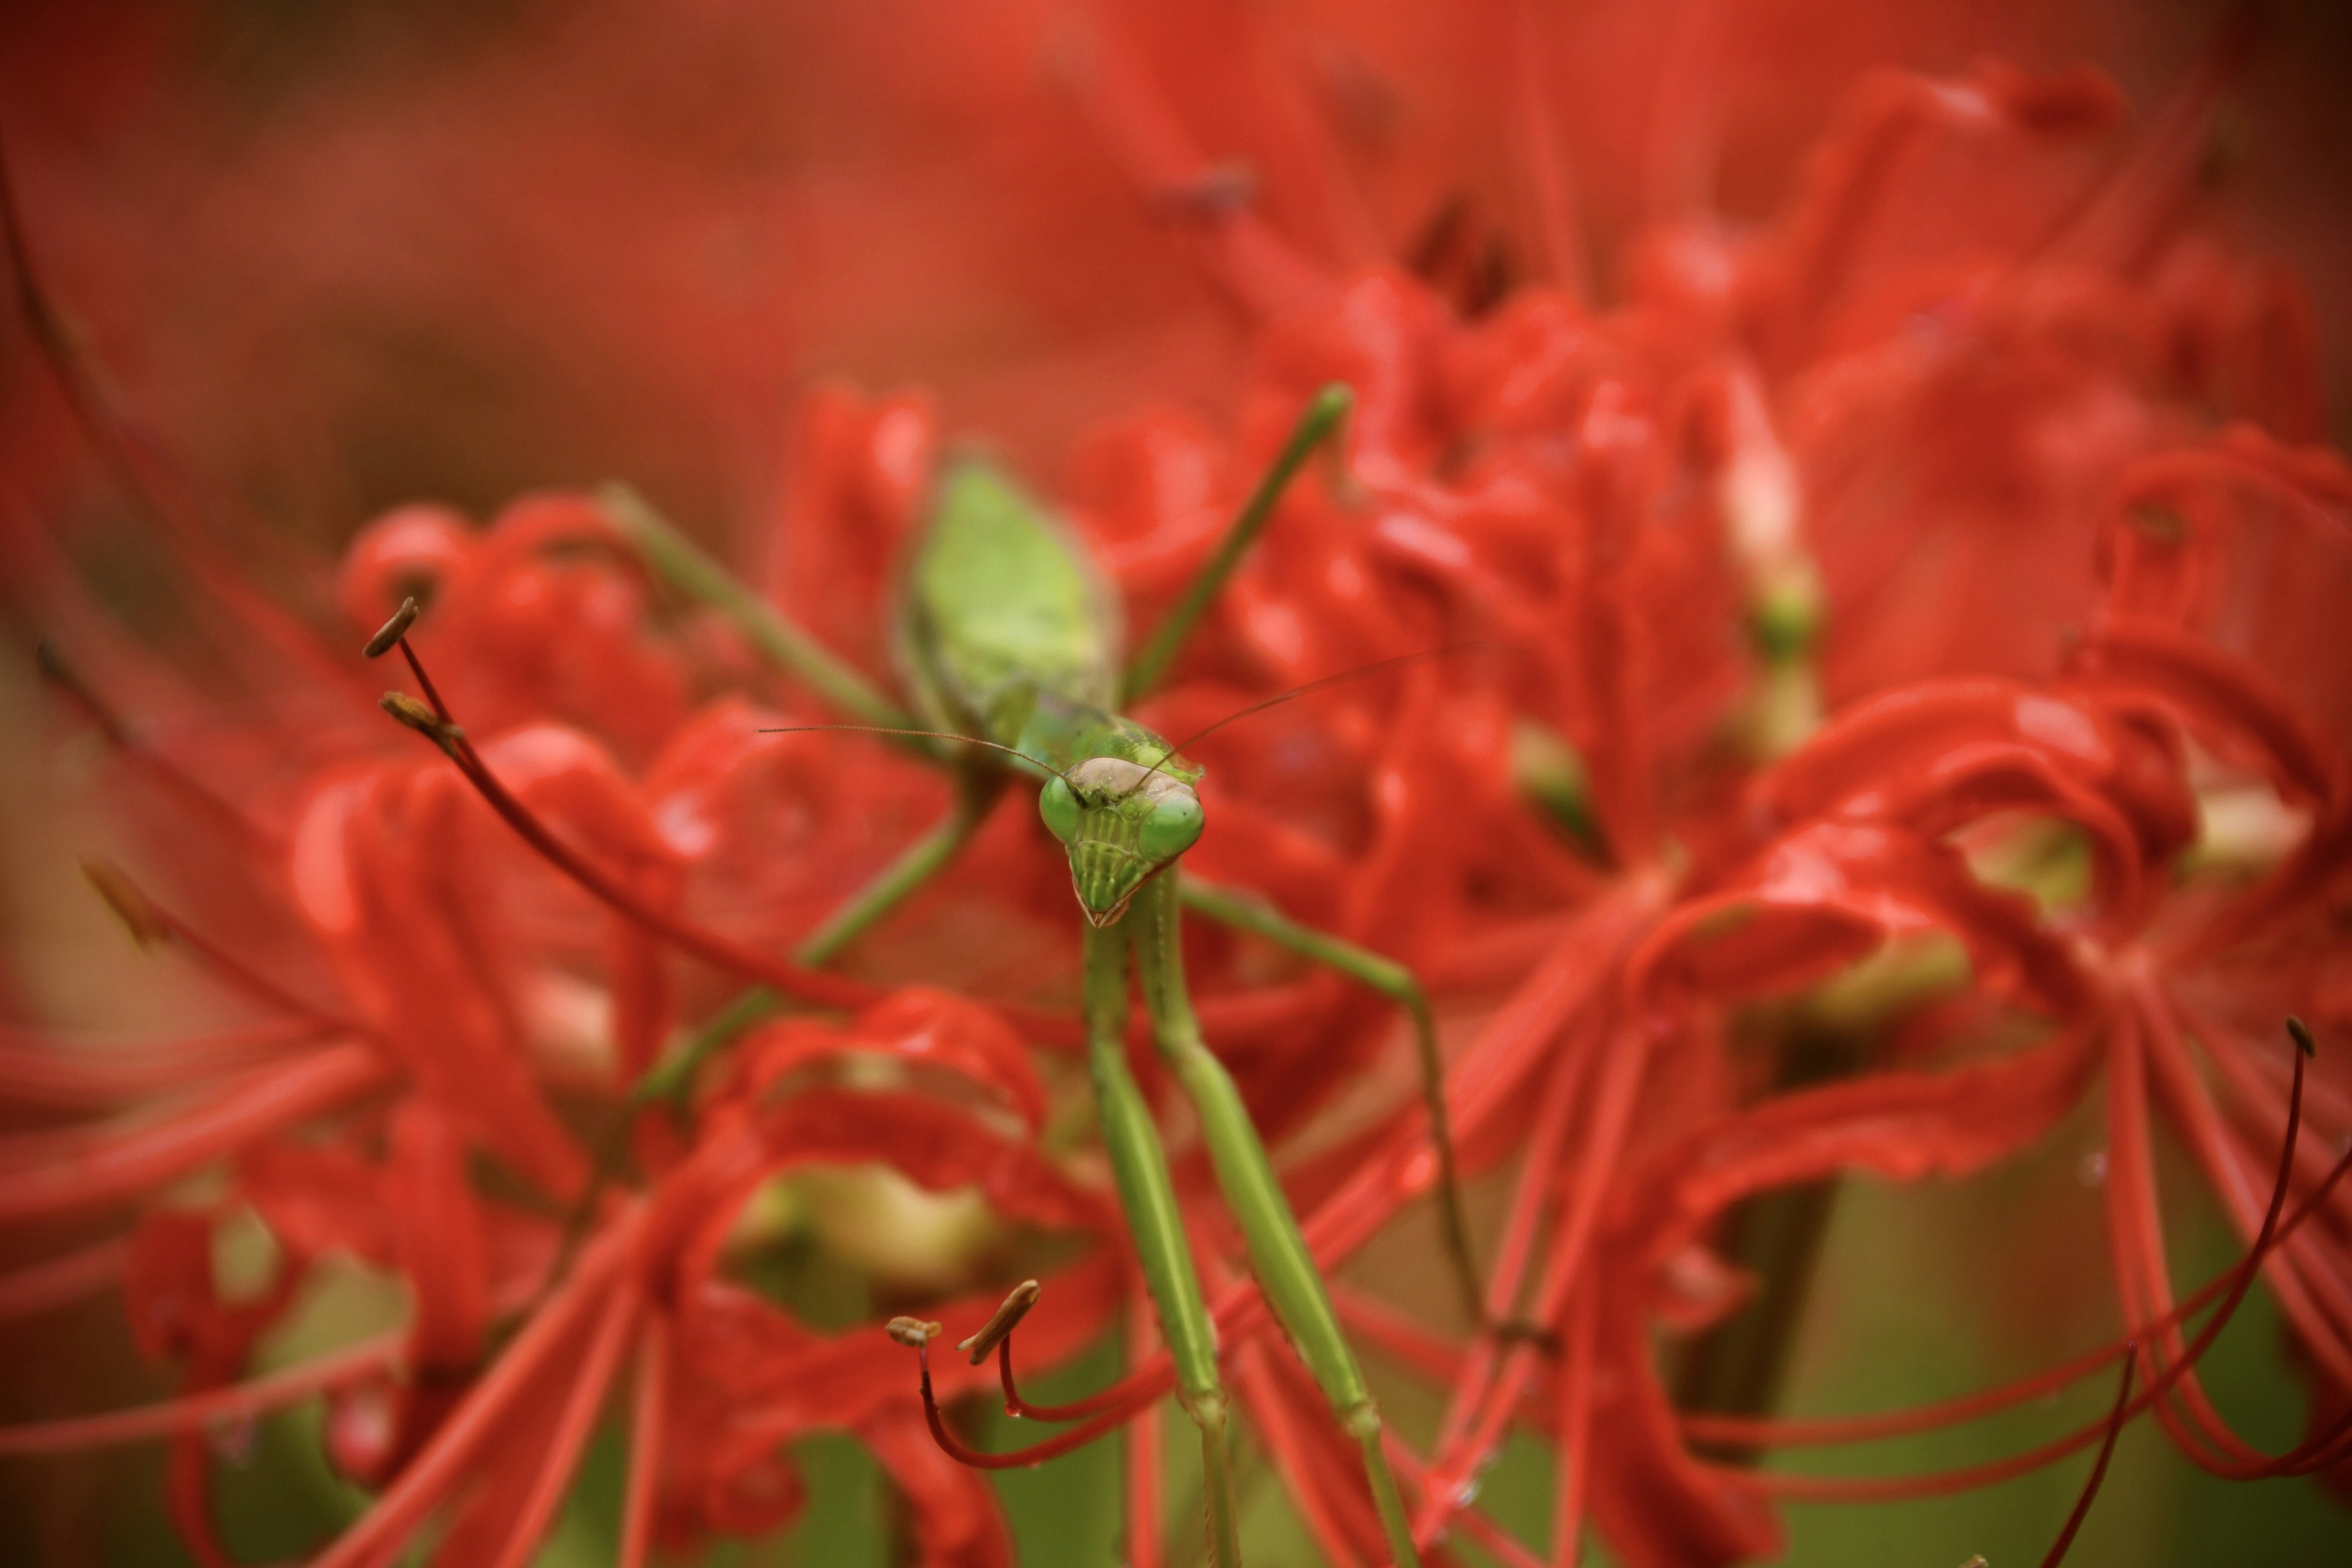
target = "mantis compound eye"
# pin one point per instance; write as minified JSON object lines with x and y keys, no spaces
{"x":1059,"y":807}
{"x":1171,"y":827}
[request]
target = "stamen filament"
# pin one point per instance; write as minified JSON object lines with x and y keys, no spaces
{"x":2099,"y":1471}
{"x":1826,"y":1489}
{"x":125,"y":739}
{"x":53,"y":1282}
{"x":917,"y":1335}
{"x":1117,"y":1396}
{"x":194,"y":1412}
{"x":719,"y":951}
{"x":132,"y":460}
{"x":150,"y":921}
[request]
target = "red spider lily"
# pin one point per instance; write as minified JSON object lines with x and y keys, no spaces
{"x":1699,"y":520}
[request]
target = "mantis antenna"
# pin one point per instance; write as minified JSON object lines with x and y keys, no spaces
{"x":930,"y":734}
{"x":1361,"y":670}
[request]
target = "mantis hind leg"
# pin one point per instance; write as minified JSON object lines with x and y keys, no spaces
{"x":1318,"y":420}
{"x":1398,"y":983}
{"x":1140,"y":1167}
{"x":1278,"y":1253}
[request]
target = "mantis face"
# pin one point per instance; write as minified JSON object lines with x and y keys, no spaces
{"x":1121,"y":823}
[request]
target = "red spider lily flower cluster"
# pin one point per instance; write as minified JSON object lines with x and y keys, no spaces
{"x":1922,"y":597}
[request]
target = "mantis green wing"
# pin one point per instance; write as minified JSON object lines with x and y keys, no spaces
{"x":1000,"y":606}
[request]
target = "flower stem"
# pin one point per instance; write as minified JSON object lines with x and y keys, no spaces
{"x":1739,"y":1368}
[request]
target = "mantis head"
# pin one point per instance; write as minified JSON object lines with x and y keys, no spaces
{"x":1121,"y":821}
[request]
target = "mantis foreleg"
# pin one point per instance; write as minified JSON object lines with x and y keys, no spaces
{"x":1140,"y":1167}
{"x":1320,"y":418}
{"x":1278,"y":1254}
{"x":1398,"y":983}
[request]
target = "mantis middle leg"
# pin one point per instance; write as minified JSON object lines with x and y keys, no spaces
{"x":1278,"y":1254}
{"x":1399,"y":984}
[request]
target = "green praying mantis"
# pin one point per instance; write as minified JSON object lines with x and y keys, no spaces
{"x":1008,"y":636}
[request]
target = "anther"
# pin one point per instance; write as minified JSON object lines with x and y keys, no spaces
{"x":1002,"y":1321}
{"x":1215,"y":193}
{"x":914,"y":1333}
{"x":388,"y":638}
{"x":423,"y":720}
{"x":129,"y":905}
{"x":2302,"y":1036}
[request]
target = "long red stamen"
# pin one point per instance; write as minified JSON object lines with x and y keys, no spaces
{"x":435,"y":1472}
{"x":132,"y":459}
{"x":644,"y":1442}
{"x":1547,"y":170}
{"x":1824,"y":1489}
{"x":150,"y":921}
{"x":1538,"y":1177}
{"x":1292,"y":1420}
{"x":2137,"y":1240}
{"x":432,"y":692}
{"x":2098,"y":1471}
{"x":113,"y":1165}
{"x":1573,"y":1463}
{"x":1263,"y":274}
{"x":35,"y":1071}
{"x":1831,"y":1431}
{"x":570,"y":1434}
{"x":39,"y":1286}
{"x":126,"y":740}
{"x":1117,"y":1395}
{"x":719,"y":951}
{"x":1144,"y":1439}
{"x":2316,"y":1295}
{"x":1036,"y":1452}
{"x":1379,"y":1327}
{"x":236,"y":1403}
{"x":1621,"y":1075}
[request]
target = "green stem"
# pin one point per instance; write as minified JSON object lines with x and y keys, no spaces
{"x":1399,"y":984}
{"x":1739,"y":1368}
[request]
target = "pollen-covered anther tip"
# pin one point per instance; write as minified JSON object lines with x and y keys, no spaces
{"x":2300,"y":1037}
{"x":1976,"y":1562}
{"x":1002,"y":1321}
{"x":392,"y":630}
{"x":421,"y":717}
{"x":914,"y":1333}
{"x":129,"y":905}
